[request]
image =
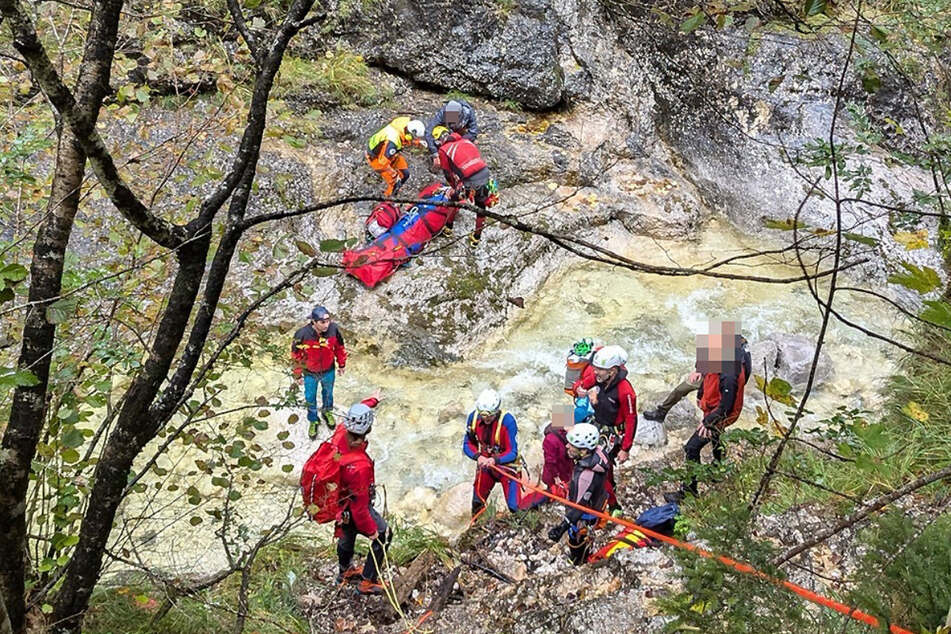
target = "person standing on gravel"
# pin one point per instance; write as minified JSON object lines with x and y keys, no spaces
{"x":587,"y":488}
{"x":317,"y":351}
{"x":491,"y":440}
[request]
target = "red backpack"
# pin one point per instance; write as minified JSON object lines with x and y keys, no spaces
{"x":382,"y":218}
{"x":320,"y":482}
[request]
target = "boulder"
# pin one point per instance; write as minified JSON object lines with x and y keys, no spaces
{"x":482,"y":47}
{"x":789,"y":357}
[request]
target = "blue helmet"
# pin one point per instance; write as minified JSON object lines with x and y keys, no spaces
{"x":319,"y":313}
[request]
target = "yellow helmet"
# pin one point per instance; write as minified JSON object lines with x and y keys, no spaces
{"x":439,"y":131}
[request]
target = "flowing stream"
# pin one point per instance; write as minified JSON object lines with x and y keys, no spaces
{"x":416,"y":441}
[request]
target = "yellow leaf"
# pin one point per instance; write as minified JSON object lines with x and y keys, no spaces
{"x":914,"y":410}
{"x":913,"y":240}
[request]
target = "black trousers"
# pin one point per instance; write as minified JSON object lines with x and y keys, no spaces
{"x":692,"y":453}
{"x":371,"y":569}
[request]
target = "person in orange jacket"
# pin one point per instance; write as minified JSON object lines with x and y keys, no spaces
{"x":357,"y":487}
{"x":384,"y":151}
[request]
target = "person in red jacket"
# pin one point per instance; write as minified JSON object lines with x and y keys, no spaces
{"x":723,"y":362}
{"x":317,"y":350}
{"x":615,"y":407}
{"x":466,"y":172}
{"x":357,"y":487}
{"x":491,"y":440}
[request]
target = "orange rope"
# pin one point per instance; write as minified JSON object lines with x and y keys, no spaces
{"x":809,"y":595}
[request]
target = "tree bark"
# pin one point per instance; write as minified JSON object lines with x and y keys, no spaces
{"x":133,"y":431}
{"x":28,"y":410}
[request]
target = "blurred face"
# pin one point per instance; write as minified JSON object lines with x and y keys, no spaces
{"x":562,"y":416}
{"x":452,"y":118}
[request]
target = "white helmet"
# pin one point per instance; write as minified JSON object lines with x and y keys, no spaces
{"x":609,"y":357}
{"x":583,"y":436}
{"x":359,"y":419}
{"x":416,"y":128}
{"x":488,"y":401}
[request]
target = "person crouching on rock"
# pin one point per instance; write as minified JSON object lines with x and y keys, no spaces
{"x":357,"y":486}
{"x":490,"y":440}
{"x":384,"y":151}
{"x":467,"y":173}
{"x":587,"y":488}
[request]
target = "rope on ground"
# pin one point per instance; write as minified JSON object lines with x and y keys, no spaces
{"x":809,"y":595}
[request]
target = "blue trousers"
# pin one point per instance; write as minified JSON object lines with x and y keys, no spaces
{"x":326,"y":381}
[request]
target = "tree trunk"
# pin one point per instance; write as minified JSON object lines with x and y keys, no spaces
{"x":133,"y":431}
{"x":28,"y":410}
{"x":29,"y":402}
{"x":5,"y":627}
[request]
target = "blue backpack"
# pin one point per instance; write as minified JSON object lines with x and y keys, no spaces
{"x":659,"y":519}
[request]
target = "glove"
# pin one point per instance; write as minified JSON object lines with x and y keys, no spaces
{"x":557,"y":531}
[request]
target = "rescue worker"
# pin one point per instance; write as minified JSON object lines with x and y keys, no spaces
{"x":720,"y":398}
{"x":692,"y":382}
{"x":458,"y":116}
{"x":490,"y":439}
{"x":357,"y":486}
{"x":588,"y":488}
{"x":467,"y":174}
{"x":317,"y":351}
{"x":613,"y":398}
{"x":384,"y":151}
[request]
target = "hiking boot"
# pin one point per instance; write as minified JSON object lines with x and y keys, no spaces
{"x":312,"y":430}
{"x":674,"y":497}
{"x":329,"y":419}
{"x":446,"y":231}
{"x":369,"y":588}
{"x":657,"y":414}
{"x":350,"y":574}
{"x":474,"y":241}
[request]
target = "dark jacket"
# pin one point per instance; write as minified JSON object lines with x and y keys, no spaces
{"x":616,"y":406}
{"x":587,"y":484}
{"x":467,"y":127}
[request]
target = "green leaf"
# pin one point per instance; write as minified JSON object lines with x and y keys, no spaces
{"x":252,"y":4}
{"x":332,"y":245}
{"x":13,"y":273}
{"x":72,"y":438}
{"x":70,"y":456}
{"x":878,"y":34}
{"x":46,"y":608}
{"x":938,"y":312}
{"x":324,"y":271}
{"x":287,"y":468}
{"x":218,"y":481}
{"x":12,"y":377}
{"x":787,"y":224}
{"x":858,"y":237}
{"x":305,"y":248}
{"x":924,"y":279}
{"x":871,"y":82}
{"x":693,"y":22}
{"x":60,"y":310}
{"x":814,"y":7}
{"x":195,"y":520}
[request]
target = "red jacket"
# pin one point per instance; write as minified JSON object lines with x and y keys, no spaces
{"x":460,"y":159}
{"x":721,"y":397}
{"x":316,"y":352}
{"x":557,"y":462}
{"x":616,"y":406}
{"x":357,"y":479}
